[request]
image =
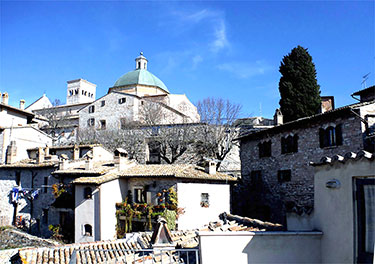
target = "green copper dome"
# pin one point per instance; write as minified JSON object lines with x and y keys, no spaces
{"x":140,"y":76}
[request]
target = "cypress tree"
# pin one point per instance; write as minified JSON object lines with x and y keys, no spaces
{"x":299,"y":89}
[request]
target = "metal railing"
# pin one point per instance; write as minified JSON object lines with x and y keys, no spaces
{"x":142,"y":256}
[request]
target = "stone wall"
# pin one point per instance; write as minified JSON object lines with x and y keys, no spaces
{"x":265,"y":197}
{"x":31,"y":179}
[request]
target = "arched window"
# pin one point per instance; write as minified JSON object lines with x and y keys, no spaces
{"x":87,"y":193}
{"x":88,"y":230}
{"x":139,"y":65}
{"x":331,"y":136}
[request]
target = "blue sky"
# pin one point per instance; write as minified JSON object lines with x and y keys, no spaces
{"x":223,"y":49}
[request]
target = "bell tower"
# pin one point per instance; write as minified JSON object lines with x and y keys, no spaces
{"x":141,"y":62}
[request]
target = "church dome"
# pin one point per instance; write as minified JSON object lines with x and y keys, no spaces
{"x":140,"y":76}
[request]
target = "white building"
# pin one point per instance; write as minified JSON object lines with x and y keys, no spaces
{"x":18,"y":131}
{"x":200,"y":192}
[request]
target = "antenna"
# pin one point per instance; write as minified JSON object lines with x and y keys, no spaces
{"x":365,"y":77}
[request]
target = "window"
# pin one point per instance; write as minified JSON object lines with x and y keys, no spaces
{"x":365,"y":224}
{"x":45,"y":216}
{"x":256,"y":176}
{"x":76,"y":91}
{"x":91,"y":108}
{"x":88,"y":230}
{"x":18,"y":178}
{"x":103,"y":124}
{"x":331,"y":136}
{"x":289,"y":144}
{"x":154,"y":152}
{"x":155,"y":131}
{"x":91,"y":122}
{"x":284,"y":175}
{"x":122,"y":100}
{"x":102,"y":103}
{"x":123,"y":123}
{"x":139,"y":65}
{"x":139,"y":195}
{"x":205,"y":200}
{"x":70,"y":92}
{"x":87,"y":193}
{"x":45,"y":184}
{"x":265,"y":149}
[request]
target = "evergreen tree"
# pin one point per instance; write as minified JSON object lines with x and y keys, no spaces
{"x":299,"y":89}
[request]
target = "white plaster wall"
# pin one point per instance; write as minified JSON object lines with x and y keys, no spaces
{"x":189,"y":197}
{"x":11,"y":118}
{"x":297,"y":222}
{"x":111,"y":193}
{"x":86,"y":212}
{"x":99,"y":153}
{"x":41,"y":103}
{"x":259,"y":247}
{"x":333,"y":208}
{"x":26,"y":137}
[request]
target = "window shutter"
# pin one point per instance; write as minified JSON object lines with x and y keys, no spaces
{"x":321,"y":137}
{"x":338,"y":131}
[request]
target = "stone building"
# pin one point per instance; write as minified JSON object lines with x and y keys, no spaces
{"x":32,"y":197}
{"x":277,"y":181}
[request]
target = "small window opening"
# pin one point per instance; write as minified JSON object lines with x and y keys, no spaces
{"x":122,"y":100}
{"x":91,"y":122}
{"x":18,"y":178}
{"x":102,"y":103}
{"x":205,"y":200}
{"x":87,"y":193}
{"x":284,"y":176}
{"x":88,"y":230}
{"x":139,"y":195}
{"x":91,"y":108}
{"x":103,"y":124}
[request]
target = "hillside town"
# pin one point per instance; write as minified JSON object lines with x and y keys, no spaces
{"x":191,"y":132}
{"x":128,"y":177}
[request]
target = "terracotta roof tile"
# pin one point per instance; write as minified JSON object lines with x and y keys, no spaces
{"x":185,"y":171}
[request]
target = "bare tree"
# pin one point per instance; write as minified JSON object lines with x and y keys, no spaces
{"x":216,"y":135}
{"x":56,"y":118}
{"x":148,"y":135}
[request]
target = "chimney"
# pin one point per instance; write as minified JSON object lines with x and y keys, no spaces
{"x":46,"y":151}
{"x":5,"y":98}
{"x":89,"y":164}
{"x":211,"y":167}
{"x":22,"y":104}
{"x":63,"y":164}
{"x":121,"y":158}
{"x":278,"y":118}
{"x":11,"y":153}
{"x":75,"y":152}
{"x":40,"y":155}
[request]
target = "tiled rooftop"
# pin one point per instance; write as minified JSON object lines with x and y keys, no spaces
{"x":185,"y":171}
{"x":118,"y":251}
{"x":30,"y":163}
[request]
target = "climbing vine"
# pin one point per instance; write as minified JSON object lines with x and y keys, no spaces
{"x":126,"y":212}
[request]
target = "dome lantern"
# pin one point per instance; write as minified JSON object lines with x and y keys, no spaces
{"x":141,"y":62}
